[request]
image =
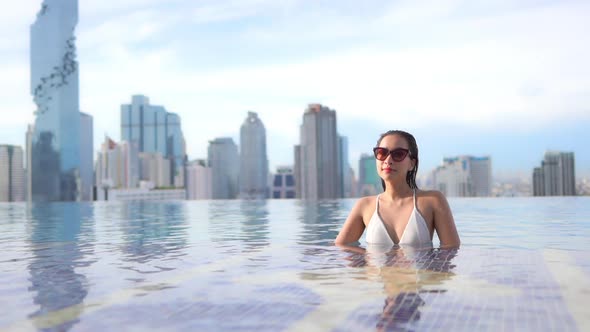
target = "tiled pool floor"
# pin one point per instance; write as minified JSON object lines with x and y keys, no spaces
{"x":325,"y":289}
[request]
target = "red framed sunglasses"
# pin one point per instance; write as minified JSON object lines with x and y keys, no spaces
{"x":398,"y":154}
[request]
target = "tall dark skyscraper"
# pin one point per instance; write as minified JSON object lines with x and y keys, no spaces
{"x":556,"y":176}
{"x":55,"y":157}
{"x":317,"y":166}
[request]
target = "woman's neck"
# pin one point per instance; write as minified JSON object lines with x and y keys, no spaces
{"x":396,"y":191}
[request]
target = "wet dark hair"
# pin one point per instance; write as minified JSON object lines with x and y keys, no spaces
{"x":413,"y":147}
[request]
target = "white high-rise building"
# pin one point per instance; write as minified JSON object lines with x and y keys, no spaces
{"x":154,"y":168}
{"x":224,"y":162}
{"x":556,"y":176}
{"x":117,"y":165}
{"x":12,"y":174}
{"x":56,"y":162}
{"x":464,"y":176}
{"x":317,"y":167}
{"x":253,"y":160}
{"x":199,"y":180}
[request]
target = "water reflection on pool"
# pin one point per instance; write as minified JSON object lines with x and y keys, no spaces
{"x":270,"y":265}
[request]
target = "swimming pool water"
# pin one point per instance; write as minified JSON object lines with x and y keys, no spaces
{"x":269,"y":265}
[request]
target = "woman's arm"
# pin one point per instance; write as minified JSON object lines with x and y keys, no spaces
{"x":354,"y":226}
{"x":444,"y":222}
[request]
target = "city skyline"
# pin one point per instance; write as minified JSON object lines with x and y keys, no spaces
{"x":504,"y":80}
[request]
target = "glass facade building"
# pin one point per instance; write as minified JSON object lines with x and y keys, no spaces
{"x":369,"y":181}
{"x":86,"y":156}
{"x":55,"y":155}
{"x":223,"y":157}
{"x":155,"y":130}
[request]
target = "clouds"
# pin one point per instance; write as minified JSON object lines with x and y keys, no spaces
{"x":484,"y":64}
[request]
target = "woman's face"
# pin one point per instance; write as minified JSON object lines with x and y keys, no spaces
{"x":392,"y":167}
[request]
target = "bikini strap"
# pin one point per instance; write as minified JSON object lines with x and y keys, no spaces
{"x":414,"y":198}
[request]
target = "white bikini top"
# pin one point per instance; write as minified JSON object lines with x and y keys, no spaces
{"x":415,"y":234}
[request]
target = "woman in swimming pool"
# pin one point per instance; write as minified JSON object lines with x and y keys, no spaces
{"x":402,"y":214}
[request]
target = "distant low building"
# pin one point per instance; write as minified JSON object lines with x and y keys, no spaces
{"x":143,"y":194}
{"x":283,"y":184}
{"x":464,"y":176}
{"x":583,"y":187}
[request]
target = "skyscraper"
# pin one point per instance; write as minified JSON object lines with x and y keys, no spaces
{"x":253,"y":160}
{"x":156,"y":131}
{"x":556,"y":176}
{"x":12,"y":174}
{"x":318,"y":167}
{"x":224,"y":162}
{"x":464,"y":176}
{"x":55,"y":158}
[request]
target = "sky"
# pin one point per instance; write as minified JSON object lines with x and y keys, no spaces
{"x":505,"y":79}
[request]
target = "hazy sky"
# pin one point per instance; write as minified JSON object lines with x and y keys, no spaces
{"x":508,"y":79}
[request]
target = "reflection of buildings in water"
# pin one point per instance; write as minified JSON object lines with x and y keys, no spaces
{"x":239,"y":222}
{"x":61,"y":235}
{"x":255,"y":233}
{"x":153,"y":229}
{"x":320,"y":220}
{"x":406,"y":273}
{"x":224,"y":220}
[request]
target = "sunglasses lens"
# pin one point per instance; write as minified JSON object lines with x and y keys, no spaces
{"x":381,"y":153}
{"x":398,"y":155}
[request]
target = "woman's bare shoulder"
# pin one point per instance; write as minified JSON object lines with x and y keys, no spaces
{"x":366,"y":201}
{"x":434,"y":197}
